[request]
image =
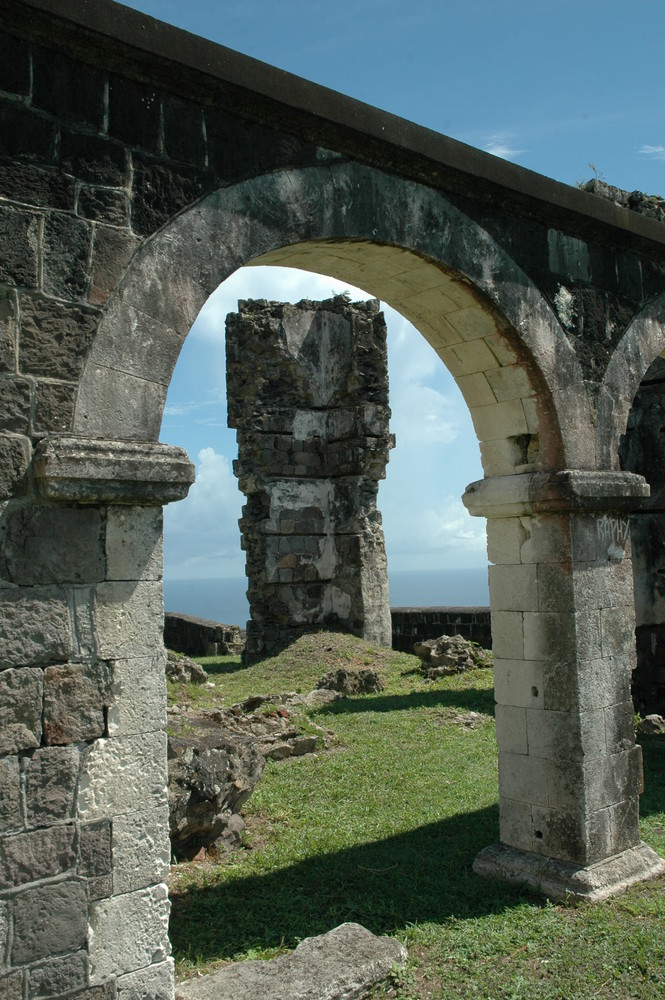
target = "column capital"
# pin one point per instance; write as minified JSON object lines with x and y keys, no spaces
{"x":89,"y":470}
{"x":561,"y":491}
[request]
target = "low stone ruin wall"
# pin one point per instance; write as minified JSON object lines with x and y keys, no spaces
{"x":411,"y":625}
{"x":201,"y":637}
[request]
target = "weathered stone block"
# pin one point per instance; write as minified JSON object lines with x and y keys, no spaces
{"x":59,"y":976}
{"x":129,"y":619}
{"x":518,"y":683}
{"x":514,"y":588}
{"x":20,"y":709}
{"x":10,"y":803}
{"x":184,"y":136}
{"x":95,"y":849}
{"x":523,"y":778}
{"x":14,"y":461}
{"x":141,"y":849}
{"x":55,"y":406}
{"x":15,"y":71}
{"x":138,"y":690}
{"x":93,"y":158}
{"x":40,"y":854}
{"x":54,"y":544}
{"x":104,"y":205}
{"x":49,"y":920}
{"x":26,"y":134}
{"x":128,"y":932}
{"x":54,"y":337}
{"x":134,"y":543}
{"x":11,"y":986}
{"x":66,"y":253}
{"x":155,"y":981}
{"x":38,"y":186}
{"x":8,"y":320}
{"x":51,"y":777}
{"x":122,"y":775}
{"x":67,"y":89}
{"x":76,"y":696}
{"x":159,"y":191}
{"x":4,"y":933}
{"x":111,"y":253}
{"x":134,"y":113}
{"x":511,"y":732}
{"x":15,"y":405}
{"x":19,"y":247}
{"x":507,"y":637}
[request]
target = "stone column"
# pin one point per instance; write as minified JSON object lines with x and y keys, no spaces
{"x":561,"y":592}
{"x":307,"y":390}
{"x":84,"y":835}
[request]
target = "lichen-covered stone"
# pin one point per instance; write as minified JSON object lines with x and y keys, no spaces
{"x":51,"y":777}
{"x":76,"y":696}
{"x":49,"y":920}
{"x":20,"y":709}
{"x":128,"y":932}
{"x":138,"y":690}
{"x":141,"y":849}
{"x":121,"y":775}
{"x":134,"y":543}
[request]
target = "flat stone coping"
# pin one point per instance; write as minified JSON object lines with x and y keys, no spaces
{"x":561,"y":880}
{"x":343,"y":964}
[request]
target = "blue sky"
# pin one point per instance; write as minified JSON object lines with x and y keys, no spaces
{"x":568,"y":88}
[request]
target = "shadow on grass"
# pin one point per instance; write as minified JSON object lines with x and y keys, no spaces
{"x":415,"y":877}
{"x":469,"y":699}
{"x":652,"y":799}
{"x":234,"y":666}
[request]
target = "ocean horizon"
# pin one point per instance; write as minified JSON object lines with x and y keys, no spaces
{"x":224,"y":599}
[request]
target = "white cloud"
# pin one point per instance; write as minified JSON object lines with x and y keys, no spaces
{"x":500,"y":144}
{"x":655,"y":152}
{"x":202,"y":538}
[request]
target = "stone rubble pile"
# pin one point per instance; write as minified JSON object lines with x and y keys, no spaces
{"x":351,"y":681}
{"x":450,"y":654}
{"x":216,"y":758}
{"x":182,"y":669}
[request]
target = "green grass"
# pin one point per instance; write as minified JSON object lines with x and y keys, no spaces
{"x":383,"y":829}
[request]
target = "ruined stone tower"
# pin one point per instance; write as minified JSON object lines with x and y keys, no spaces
{"x":308,"y":396}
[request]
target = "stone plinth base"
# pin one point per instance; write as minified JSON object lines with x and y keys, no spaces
{"x":563,"y":880}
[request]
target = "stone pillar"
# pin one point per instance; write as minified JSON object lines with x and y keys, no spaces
{"x":307,"y":390}
{"x":84,"y":835}
{"x":561,"y":592}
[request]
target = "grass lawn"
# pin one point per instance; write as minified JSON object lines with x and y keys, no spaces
{"x":383,"y":828}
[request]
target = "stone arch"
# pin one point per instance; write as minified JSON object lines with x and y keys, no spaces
{"x":400,"y":241}
{"x":642,"y":342}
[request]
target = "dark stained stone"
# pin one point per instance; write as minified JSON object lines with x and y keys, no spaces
{"x":54,"y":337}
{"x":75,"y":697}
{"x":65,"y":256}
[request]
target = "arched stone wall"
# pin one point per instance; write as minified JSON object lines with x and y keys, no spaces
{"x":400,"y":241}
{"x":135,"y":150}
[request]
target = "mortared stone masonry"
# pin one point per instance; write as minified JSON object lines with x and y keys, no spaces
{"x":139,"y":167}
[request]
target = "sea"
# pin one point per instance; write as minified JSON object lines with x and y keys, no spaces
{"x":224,"y":600}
